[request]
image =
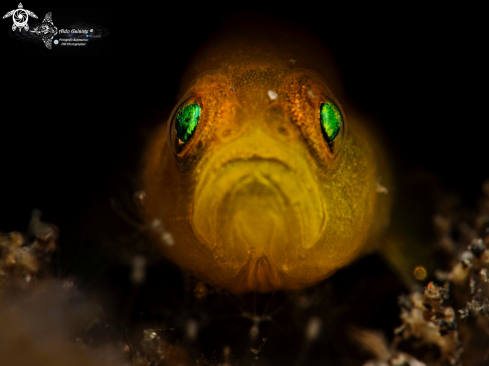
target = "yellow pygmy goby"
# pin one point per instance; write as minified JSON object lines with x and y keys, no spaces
{"x":262,"y":175}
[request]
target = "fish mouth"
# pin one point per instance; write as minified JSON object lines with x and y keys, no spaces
{"x":257,"y":203}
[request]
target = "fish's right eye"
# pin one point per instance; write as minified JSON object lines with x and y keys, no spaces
{"x":185,"y":122}
{"x":187,"y":118}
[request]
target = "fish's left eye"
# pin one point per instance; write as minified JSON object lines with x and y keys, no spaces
{"x":331,"y":120}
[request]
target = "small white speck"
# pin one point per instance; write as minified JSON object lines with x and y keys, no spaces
{"x":272,"y":95}
{"x":254,"y":331}
{"x":192,"y":329}
{"x":226,"y":352}
{"x":140,"y":195}
{"x":313,"y":328}
{"x":484,"y":275}
{"x":156,"y":224}
{"x":311,"y":94}
{"x":381,"y":189}
{"x":138,"y":274}
{"x":167,"y":238}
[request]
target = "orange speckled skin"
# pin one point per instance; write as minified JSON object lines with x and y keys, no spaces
{"x":257,"y":200}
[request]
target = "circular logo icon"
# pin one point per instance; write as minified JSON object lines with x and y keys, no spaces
{"x":56,"y":41}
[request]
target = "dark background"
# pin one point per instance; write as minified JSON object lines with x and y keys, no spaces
{"x":70,"y":128}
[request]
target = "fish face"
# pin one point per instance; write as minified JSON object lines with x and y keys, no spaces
{"x":256,"y":189}
{"x":258,"y":180}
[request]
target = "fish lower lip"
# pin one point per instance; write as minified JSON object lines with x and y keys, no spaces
{"x":257,"y":206}
{"x":259,"y":213}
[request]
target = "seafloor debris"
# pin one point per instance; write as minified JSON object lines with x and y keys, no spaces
{"x":467,"y":272}
{"x":45,"y":320}
{"x":157,"y":351}
{"x":432,"y":333}
{"x":25,"y":255}
{"x":428,"y":334}
{"x":426,"y":324}
{"x":17,"y":261}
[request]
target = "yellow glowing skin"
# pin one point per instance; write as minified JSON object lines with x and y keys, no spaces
{"x":257,"y":199}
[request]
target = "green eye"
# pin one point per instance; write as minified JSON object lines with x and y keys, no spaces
{"x":187,"y":118}
{"x":331,"y":120}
